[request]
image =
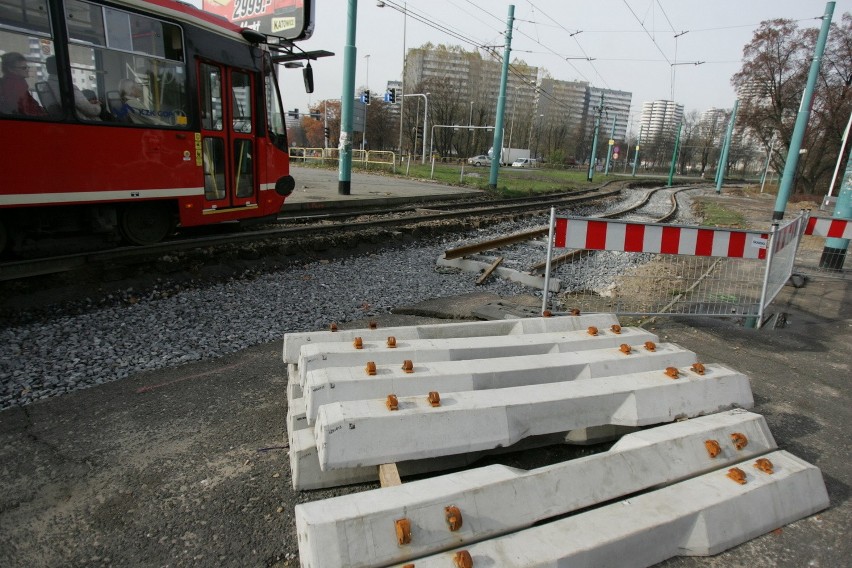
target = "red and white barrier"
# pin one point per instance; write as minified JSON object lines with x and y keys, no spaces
{"x":833,"y":228}
{"x":662,"y":239}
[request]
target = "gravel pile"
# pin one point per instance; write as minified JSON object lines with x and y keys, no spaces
{"x":63,"y":353}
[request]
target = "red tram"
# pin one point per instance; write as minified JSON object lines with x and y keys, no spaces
{"x":132,"y":116}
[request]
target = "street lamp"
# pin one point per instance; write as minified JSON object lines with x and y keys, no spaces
{"x":381,"y":4}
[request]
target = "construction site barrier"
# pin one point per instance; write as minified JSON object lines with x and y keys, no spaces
{"x":653,"y":269}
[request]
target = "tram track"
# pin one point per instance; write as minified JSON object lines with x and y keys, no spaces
{"x":316,"y":225}
{"x":491,"y":244}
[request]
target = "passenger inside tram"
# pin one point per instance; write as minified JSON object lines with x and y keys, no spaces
{"x":133,"y":105}
{"x":15,"y":96}
{"x":85,"y":109}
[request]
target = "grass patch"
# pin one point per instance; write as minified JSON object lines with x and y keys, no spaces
{"x":511,"y":182}
{"x":716,"y":215}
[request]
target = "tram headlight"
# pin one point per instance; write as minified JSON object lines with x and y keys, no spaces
{"x":285,"y":186}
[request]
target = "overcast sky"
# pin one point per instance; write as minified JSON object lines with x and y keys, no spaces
{"x":631,"y":43}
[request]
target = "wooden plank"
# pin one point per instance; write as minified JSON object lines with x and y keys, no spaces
{"x":489,"y":270}
{"x":389,"y":475}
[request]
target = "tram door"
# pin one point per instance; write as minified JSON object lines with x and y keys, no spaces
{"x":227,"y":137}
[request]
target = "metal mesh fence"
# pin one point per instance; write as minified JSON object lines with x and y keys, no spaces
{"x":655,"y":284}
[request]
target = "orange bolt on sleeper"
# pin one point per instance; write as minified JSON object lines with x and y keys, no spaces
{"x":392,"y":402}
{"x":462,"y":559}
{"x":546,"y":314}
{"x":372,"y":325}
{"x":358,"y":343}
{"x":370,"y":369}
{"x":624,"y":348}
{"x":575,"y":312}
{"x":650,"y":346}
{"x":592,"y":330}
{"x":713,"y":448}
{"x":434,"y":398}
{"x":332,"y":327}
{"x":454,"y":517}
{"x":698,"y":368}
{"x":737,"y":475}
{"x":391,"y":342}
{"x":408,"y":366}
{"x":616,"y":329}
{"x":672,"y":373}
{"x":765,"y":466}
{"x":740,"y":441}
{"x":403,"y":531}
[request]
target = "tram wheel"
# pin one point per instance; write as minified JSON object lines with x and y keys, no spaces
{"x":146,"y":223}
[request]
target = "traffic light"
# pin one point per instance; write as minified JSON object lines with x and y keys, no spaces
{"x":365,"y":97}
{"x":419,"y":132}
{"x":392,"y":96}
{"x":327,"y":132}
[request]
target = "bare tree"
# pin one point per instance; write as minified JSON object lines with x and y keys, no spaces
{"x":770,"y":85}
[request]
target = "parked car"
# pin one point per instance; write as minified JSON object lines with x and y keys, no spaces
{"x":481,"y":160}
{"x":525,"y":163}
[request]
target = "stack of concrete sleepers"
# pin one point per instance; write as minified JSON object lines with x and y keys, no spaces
{"x":429,"y":398}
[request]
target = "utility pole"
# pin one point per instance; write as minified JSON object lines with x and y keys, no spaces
{"x":344,"y":174}
{"x":726,"y":147}
{"x":595,"y":140}
{"x":501,"y":101}
{"x":674,"y":154}
{"x":610,"y":143}
{"x":834,"y":252}
{"x":636,"y":155}
{"x":802,"y":119}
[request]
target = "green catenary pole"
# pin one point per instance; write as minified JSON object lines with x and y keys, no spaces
{"x":636,"y":155}
{"x":834,"y":252}
{"x":594,"y":155}
{"x":726,"y":147}
{"x":674,"y":154}
{"x":344,"y":173}
{"x":610,"y":143}
{"x":501,"y":102}
{"x":802,"y":117}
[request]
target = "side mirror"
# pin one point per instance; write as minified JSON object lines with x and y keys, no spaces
{"x":308,"y":76}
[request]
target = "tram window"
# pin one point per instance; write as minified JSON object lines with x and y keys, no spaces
{"x":213,"y":151}
{"x":241,"y":92}
{"x":274,"y":115}
{"x":210,"y":82}
{"x":30,"y":15}
{"x":25,"y":42}
{"x":120,"y":30}
{"x":243,"y":168}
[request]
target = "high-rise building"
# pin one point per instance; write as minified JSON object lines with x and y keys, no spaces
{"x":616,"y":106}
{"x":660,"y":118}
{"x":561,"y":102}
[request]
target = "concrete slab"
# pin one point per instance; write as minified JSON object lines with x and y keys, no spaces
{"x":358,"y":530}
{"x":333,"y":384}
{"x":700,"y":516}
{"x":419,"y":351}
{"x":294,"y":341}
{"x":366,"y":432}
{"x":307,"y":474}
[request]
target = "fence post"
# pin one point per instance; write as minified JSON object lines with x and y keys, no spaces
{"x":549,"y":256}
{"x":432,"y":173}
{"x":770,"y":246}
{"x":408,"y":164}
